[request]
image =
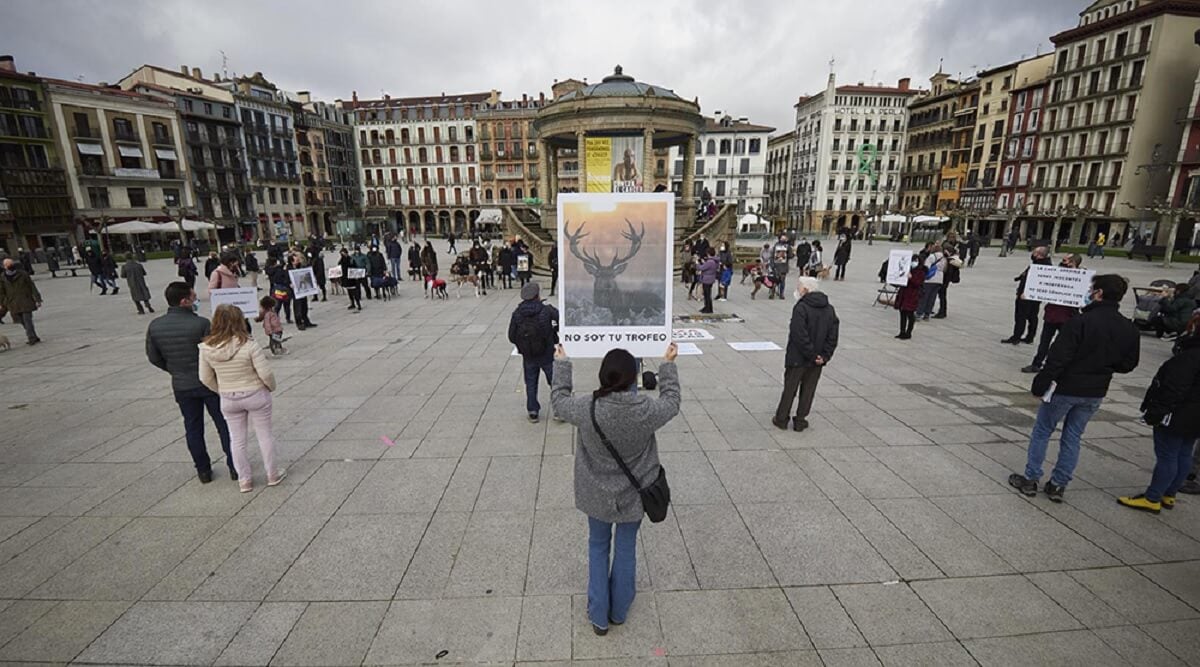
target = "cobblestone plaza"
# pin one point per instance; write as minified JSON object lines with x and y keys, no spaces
{"x":423,"y":520}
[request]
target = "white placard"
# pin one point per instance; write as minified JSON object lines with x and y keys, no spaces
{"x":304,"y":283}
{"x":756,"y":346}
{"x":688,"y":349}
{"x":245,"y":298}
{"x":334,"y":273}
{"x":616,"y":256}
{"x":522,"y":263}
{"x":899,"y":263}
{"x":692,"y":334}
{"x":1058,"y":285}
{"x":356,"y":274}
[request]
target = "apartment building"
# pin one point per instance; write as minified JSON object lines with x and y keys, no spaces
{"x":1110,"y":131}
{"x":953,"y":175}
{"x":508,"y":155}
{"x":731,"y":162}
{"x":324,"y":141}
{"x":418,"y":159}
{"x":847,"y":154}
{"x":1025,"y":110}
{"x":779,"y":175}
{"x":928,"y":142}
{"x":122,"y":152}
{"x":35,"y":205}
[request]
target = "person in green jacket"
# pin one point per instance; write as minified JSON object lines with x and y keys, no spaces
{"x":1174,"y":311}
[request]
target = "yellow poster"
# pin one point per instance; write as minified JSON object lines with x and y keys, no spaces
{"x":598,"y":163}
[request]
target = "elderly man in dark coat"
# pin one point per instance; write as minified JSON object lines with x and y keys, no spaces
{"x":135,"y":279}
{"x":19,"y":296}
{"x":812,"y":339}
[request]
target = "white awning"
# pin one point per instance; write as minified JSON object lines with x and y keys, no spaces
{"x":165,"y":153}
{"x":490,"y":216}
{"x":129,"y":151}
{"x":89,"y":149}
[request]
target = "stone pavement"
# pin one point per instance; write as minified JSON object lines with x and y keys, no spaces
{"x":883,"y":534}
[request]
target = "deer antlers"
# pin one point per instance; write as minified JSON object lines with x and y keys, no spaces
{"x":592,"y":262}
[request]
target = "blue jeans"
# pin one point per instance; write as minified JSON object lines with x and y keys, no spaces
{"x":1172,"y":463}
{"x":192,"y":404}
{"x":533,"y":366}
{"x":395,"y":264}
{"x":611,"y":593}
{"x":929,"y":294}
{"x":1074,"y":412}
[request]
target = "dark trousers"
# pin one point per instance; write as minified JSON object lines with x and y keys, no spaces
{"x":286,"y":306}
{"x":301,"y":309}
{"x":840,"y":273}
{"x":534,"y":366}
{"x":553,"y":280}
{"x":1048,"y":332}
{"x":355,"y":294}
{"x":1025,"y":316}
{"x":907,"y":319}
{"x":707,"y":298}
{"x":395,"y":264}
{"x":780,"y":285}
{"x":942,"y":299}
{"x":802,"y":379}
{"x":26,"y":320}
{"x":929,"y":294}
{"x":192,"y":404}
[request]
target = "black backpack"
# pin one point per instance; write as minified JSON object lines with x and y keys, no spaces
{"x":532,"y":340}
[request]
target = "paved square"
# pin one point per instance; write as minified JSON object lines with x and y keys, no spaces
{"x":423,"y":520}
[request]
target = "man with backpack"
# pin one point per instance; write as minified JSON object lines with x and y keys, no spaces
{"x":533,"y":329}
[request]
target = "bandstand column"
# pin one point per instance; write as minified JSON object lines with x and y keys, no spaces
{"x":581,"y":153}
{"x":543,"y":170}
{"x":552,"y":194}
{"x":648,"y":160}
{"x":689,"y":170}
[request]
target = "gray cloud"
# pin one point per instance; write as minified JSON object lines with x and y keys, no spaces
{"x":749,"y":59}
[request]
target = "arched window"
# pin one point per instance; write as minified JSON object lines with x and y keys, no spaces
{"x":407,"y":156}
{"x":390,"y":136}
{"x":516,"y":130}
{"x":428,"y":197}
{"x":392,"y":155}
{"x":487,"y":195}
{"x":519,"y":194}
{"x":370,"y":197}
{"x":374,"y":136}
{"x":712,"y":147}
{"x":366,"y":156}
{"x":422,"y":155}
{"x":533,"y":192}
{"x":404,"y":135}
{"x":412,"y":196}
{"x":442,"y":196}
{"x":375,"y":156}
{"x":396,"y":197}
{"x":380,"y":197}
{"x":503,"y":194}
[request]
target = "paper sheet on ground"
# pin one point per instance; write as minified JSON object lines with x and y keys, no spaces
{"x":688,"y":349}
{"x":755,"y":346}
{"x":691,"y":334}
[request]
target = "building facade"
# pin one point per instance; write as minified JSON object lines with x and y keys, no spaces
{"x":328,"y":179}
{"x":508,"y":155}
{"x":731,"y":163}
{"x":953,"y":175}
{"x":1185,"y":182}
{"x":122,"y":152}
{"x":779,"y":175}
{"x":35,"y":204}
{"x":1119,"y":80}
{"x":418,"y":159}
{"x":928,"y":143}
{"x":847,"y":154}
{"x":1025,"y":110}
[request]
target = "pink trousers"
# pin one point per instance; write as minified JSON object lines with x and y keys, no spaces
{"x":255,"y":406}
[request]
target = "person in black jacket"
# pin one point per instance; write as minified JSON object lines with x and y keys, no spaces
{"x":1172,"y":407}
{"x":376,"y":270}
{"x":171,"y":344}
{"x":414,"y":261}
{"x":1074,"y":380}
{"x":395,"y":255}
{"x":812,"y":339}
{"x":1025,"y":313}
{"x":553,"y":261}
{"x":533,"y":329}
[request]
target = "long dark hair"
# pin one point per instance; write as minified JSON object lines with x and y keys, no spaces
{"x":618,"y":372}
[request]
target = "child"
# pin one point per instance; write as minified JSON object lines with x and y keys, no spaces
{"x":271,"y":324}
{"x":909,"y":297}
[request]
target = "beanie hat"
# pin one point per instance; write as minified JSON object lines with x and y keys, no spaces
{"x":530,"y":291}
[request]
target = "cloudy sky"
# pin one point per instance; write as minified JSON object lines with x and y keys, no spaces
{"x":746,"y":58}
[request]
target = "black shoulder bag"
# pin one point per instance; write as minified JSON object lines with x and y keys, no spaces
{"x":656,"y":497}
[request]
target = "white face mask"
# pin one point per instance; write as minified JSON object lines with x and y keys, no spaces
{"x":799,"y":295}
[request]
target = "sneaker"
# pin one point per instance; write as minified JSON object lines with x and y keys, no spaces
{"x":1012,"y":340}
{"x":205,"y":477}
{"x":278,"y":478}
{"x":599,"y":630}
{"x":1054,"y":492}
{"x":1027,"y":487}
{"x":1190,"y":487}
{"x":1168,"y":502}
{"x":799,"y":425}
{"x":533,"y":417}
{"x":939,"y":316}
{"x":1032,"y":368}
{"x":1140,"y":502}
{"x":781,"y":425}
{"x":1027,"y":341}
{"x":233,"y":474}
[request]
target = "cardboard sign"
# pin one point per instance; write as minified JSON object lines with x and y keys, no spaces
{"x":304,"y":283}
{"x":899,"y":262}
{"x":522,"y":263}
{"x":1058,"y":285}
{"x":616,"y":256}
{"x":356,"y":274}
{"x":334,"y":273}
{"x":245,"y":298}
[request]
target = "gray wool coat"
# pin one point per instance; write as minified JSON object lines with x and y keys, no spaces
{"x":135,"y":278}
{"x":629,"y":420}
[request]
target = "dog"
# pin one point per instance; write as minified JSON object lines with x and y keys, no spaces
{"x":474,"y":280}
{"x":822,"y":273}
{"x":439,"y":288}
{"x":761,"y":280}
{"x":4,"y":344}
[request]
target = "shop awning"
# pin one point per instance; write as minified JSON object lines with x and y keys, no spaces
{"x":165,"y":153}
{"x":89,"y":149}
{"x":491,"y":216}
{"x":130,"y":151}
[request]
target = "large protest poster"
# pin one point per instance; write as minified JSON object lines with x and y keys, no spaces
{"x":615,"y":255}
{"x":304,"y":283}
{"x":245,"y":298}
{"x":899,"y":263}
{"x":613,"y":164}
{"x":1058,"y":285}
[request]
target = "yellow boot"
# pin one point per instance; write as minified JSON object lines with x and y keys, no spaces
{"x":1140,"y":502}
{"x":1168,"y":502}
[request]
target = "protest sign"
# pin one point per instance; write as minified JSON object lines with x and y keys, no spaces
{"x":245,"y":298}
{"x":304,"y":283}
{"x":899,"y":263}
{"x":1058,"y":285}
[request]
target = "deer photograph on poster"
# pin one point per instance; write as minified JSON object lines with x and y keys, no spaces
{"x":615,"y":254}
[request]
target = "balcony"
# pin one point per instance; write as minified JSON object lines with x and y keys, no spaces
{"x":163,"y":140}
{"x":85,"y":133}
{"x":125,"y":135}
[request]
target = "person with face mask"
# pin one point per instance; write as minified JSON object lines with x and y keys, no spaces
{"x":1025,"y":313}
{"x":19,"y":296}
{"x":908,"y":298}
{"x":1053,"y":318}
{"x":812,"y":339}
{"x":725,"y":257}
{"x":1074,"y":381}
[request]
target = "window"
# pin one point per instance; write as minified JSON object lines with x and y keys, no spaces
{"x":137,"y":197}
{"x":720,"y":188}
{"x":699,"y":167}
{"x":755,"y":146}
{"x":726,"y":147}
{"x":271,"y":196}
{"x":722,"y":166}
{"x":98,"y":197}
{"x":131,"y":162}
{"x":744,"y":166}
{"x":207,"y":109}
{"x":171,"y":197}
{"x":711,"y":147}
{"x":1135,"y":76}
{"x":226,"y":112}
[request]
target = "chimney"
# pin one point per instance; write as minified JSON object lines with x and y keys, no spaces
{"x":183,"y":69}
{"x":7,"y":64}
{"x":354,"y":96}
{"x":904,"y":83}
{"x":524,"y":98}
{"x":304,"y":96}
{"x":387,"y":97}
{"x":542,"y":98}
{"x":196,"y":73}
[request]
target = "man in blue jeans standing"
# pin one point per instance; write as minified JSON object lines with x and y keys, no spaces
{"x":533,"y":329}
{"x":171,"y":342}
{"x":1074,"y":380}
